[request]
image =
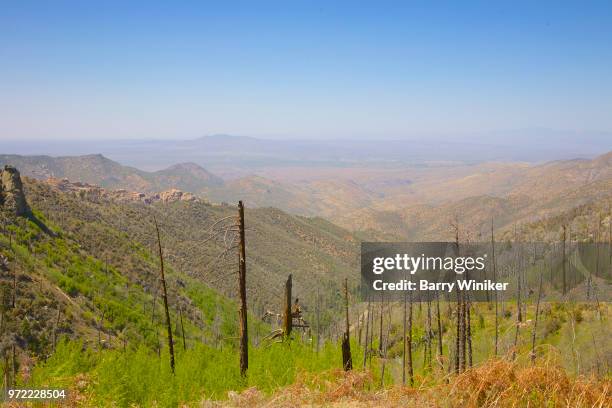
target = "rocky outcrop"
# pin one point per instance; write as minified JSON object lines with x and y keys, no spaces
{"x":174,"y":195}
{"x":95,"y":193}
{"x":12,"y":197}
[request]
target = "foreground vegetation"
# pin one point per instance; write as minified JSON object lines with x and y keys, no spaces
{"x":137,"y":376}
{"x":295,"y":374}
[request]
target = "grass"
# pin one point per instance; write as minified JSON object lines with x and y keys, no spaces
{"x":140,"y":377}
{"x":294,"y":374}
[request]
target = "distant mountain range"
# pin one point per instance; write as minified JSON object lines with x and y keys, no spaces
{"x":405,"y":202}
{"x":229,"y":155}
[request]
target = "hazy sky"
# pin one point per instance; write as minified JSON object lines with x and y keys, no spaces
{"x":300,"y":69}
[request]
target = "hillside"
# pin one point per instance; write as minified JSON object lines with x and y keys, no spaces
{"x":541,"y":192}
{"x":89,"y":281}
{"x":277,"y":243}
{"x":99,"y":170}
{"x":401,"y":201}
{"x":86,"y":267}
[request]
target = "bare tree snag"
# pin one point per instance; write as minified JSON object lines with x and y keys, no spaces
{"x":380,"y":336}
{"x":287,"y":320}
{"x":165,"y":296}
{"x":564,"y":238}
{"x":518,"y":316}
{"x":182,"y":327}
{"x":468,"y":306}
{"x":440,"y":348}
{"x":458,"y":333}
{"x":244,"y":339}
{"x":462,"y":357}
{"x":371,"y":347}
{"x":535,"y":323}
{"x":496,"y":295}
{"x":460,"y":319}
{"x":410,"y":365}
{"x":429,"y":335}
{"x":347,"y":360}
{"x":367,"y":332}
{"x":404,"y":338}
{"x":319,"y":321}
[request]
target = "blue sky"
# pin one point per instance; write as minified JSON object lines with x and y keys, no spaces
{"x":301,"y":69}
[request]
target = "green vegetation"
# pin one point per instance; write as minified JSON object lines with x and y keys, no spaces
{"x":138,"y":376}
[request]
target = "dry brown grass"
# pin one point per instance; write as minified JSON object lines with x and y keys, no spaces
{"x":497,"y":383}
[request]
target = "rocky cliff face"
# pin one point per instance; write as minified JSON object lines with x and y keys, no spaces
{"x":12,"y":197}
{"x":95,"y":193}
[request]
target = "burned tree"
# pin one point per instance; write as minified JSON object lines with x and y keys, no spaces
{"x":287,"y":315}
{"x":535,"y":324}
{"x":440,"y":348}
{"x":409,"y":341}
{"x":404,"y":339}
{"x":367,"y":330}
{"x":229,"y":234}
{"x":165,"y":296}
{"x":429,"y":336}
{"x":564,"y":237}
{"x":244,"y":339}
{"x":496,"y":295}
{"x":347,"y":360}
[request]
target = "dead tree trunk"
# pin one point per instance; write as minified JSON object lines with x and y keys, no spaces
{"x":458,"y":333}
{"x":496,"y":295}
{"x":410,"y":365}
{"x":366,"y":343}
{"x":429,"y":335}
{"x":371,"y":347}
{"x":440,"y":348}
{"x":244,"y":336}
{"x":518,"y":316}
{"x":463,"y":343}
{"x":358,"y":332}
{"x":287,"y":320}
{"x":564,"y":238}
{"x":468,"y":306}
{"x":380,"y":337}
{"x":535,"y":323}
{"x":182,"y":328}
{"x":347,"y":360}
{"x":459,"y":341}
{"x":319,"y":321}
{"x":404,"y":340}
{"x":165,"y":296}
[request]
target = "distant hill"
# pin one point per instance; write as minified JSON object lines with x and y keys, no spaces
{"x":99,"y":170}
{"x":532,"y":194}
{"x":393,"y":202}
